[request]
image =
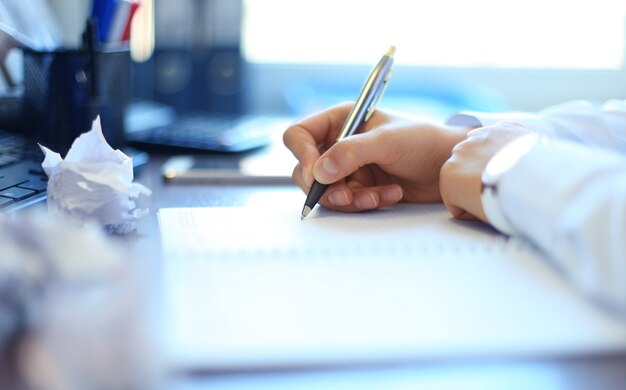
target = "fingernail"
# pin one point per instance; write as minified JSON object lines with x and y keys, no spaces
{"x":366,"y":201}
{"x":339,"y":198}
{"x":327,"y":169}
{"x":392,"y":194}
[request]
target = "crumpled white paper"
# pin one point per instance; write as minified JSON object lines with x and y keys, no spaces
{"x":94,"y":184}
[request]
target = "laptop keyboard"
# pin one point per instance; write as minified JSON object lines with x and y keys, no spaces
{"x":212,"y":133}
{"x":22,"y":180}
{"x":14,"y":148}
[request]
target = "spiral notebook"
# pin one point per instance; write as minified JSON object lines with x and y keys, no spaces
{"x":254,"y":287}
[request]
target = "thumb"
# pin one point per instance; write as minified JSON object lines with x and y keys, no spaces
{"x":349,"y":154}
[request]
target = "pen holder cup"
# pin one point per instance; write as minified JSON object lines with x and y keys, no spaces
{"x":64,"y":91}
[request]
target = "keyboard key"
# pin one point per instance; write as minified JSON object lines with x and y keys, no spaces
{"x":37,"y":171}
{"x":5,"y":201}
{"x":11,"y":181}
{"x":35,"y":185}
{"x":16,"y":193}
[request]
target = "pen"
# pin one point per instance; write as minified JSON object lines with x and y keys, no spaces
{"x":120,"y":26}
{"x":363,"y":109}
{"x":90,"y":40}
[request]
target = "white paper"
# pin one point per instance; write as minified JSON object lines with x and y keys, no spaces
{"x":94,"y":183}
{"x":256,"y":287}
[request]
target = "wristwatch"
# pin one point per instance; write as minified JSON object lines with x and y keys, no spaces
{"x":497,"y":166}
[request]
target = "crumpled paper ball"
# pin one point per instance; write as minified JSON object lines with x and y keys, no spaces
{"x":94,"y":184}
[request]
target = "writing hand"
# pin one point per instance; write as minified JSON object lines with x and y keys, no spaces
{"x":393,"y":158}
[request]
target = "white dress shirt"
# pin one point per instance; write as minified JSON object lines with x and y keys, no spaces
{"x":569,"y":195}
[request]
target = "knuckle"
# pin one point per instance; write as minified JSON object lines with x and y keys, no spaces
{"x":345,"y":151}
{"x":291,"y":137}
{"x":384,"y":135}
{"x":448,"y":170}
{"x":287,"y":136}
{"x":480,"y":132}
{"x":297,"y":171}
{"x":444,"y":173}
{"x":456,"y":212}
{"x":349,"y":157}
{"x":458,"y":148}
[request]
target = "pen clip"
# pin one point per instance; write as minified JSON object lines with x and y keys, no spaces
{"x":372,"y":108}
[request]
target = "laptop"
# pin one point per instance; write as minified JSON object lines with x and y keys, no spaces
{"x":22,"y":180}
{"x":154,"y":126}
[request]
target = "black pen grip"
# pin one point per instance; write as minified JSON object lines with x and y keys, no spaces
{"x":315,"y":193}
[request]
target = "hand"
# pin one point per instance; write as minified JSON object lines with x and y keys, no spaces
{"x":392,"y":159}
{"x":460,"y":178}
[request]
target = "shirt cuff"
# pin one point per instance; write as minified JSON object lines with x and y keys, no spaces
{"x":497,"y":167}
{"x":532,"y":122}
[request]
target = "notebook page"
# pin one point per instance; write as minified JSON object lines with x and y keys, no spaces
{"x":278,"y":232}
{"x":250,"y":287}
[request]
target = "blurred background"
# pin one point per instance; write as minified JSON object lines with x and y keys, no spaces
{"x":297,"y":56}
{"x":294,"y":57}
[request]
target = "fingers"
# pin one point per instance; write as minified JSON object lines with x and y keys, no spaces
{"x":350,"y":154}
{"x":346,"y":194}
{"x":304,"y":138}
{"x":343,"y":197}
{"x":303,"y":146}
{"x":299,"y":178}
{"x":316,"y":129}
{"x":351,"y":197}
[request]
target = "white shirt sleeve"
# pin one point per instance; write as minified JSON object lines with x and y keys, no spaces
{"x":569,"y":196}
{"x":570,"y":200}
{"x":578,"y":121}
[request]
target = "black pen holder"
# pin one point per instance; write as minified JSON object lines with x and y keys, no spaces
{"x":65,"y":90}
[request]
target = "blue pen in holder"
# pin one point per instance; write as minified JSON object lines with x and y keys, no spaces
{"x":63,"y":94}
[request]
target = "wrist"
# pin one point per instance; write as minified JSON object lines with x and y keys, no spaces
{"x":453,"y":136}
{"x":435,"y":144}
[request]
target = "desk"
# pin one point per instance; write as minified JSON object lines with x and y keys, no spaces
{"x":599,"y":372}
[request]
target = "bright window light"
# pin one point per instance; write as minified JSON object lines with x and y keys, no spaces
{"x":540,"y":34}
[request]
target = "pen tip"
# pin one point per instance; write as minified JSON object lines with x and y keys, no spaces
{"x":391,"y":51}
{"x":305,"y":211}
